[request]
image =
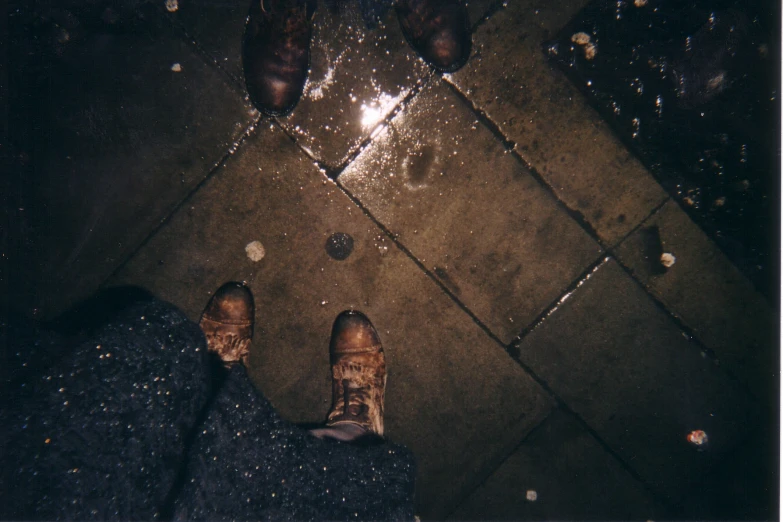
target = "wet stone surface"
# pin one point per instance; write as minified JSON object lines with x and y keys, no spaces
{"x":693,"y":90}
{"x":270,"y":192}
{"x":109,"y":138}
{"x":611,"y":354}
{"x":357,"y":77}
{"x":470,"y":212}
{"x":217,"y":27}
{"x":560,"y":472}
{"x":704,"y":289}
{"x":553,"y":129}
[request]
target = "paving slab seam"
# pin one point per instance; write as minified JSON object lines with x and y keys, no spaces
{"x":249,"y":131}
{"x":589,"y":429}
{"x":235,"y":83}
{"x":510,"y":147}
{"x":683,"y":327}
{"x":639,"y":225}
{"x":334,"y":172}
{"x":689,"y":333}
{"x":493,"y":8}
{"x":579,"y":218}
{"x":559,"y":300}
{"x":487,"y":474}
{"x":419,"y":264}
{"x":532,"y":433}
{"x":491,"y":466}
{"x":541,"y":382}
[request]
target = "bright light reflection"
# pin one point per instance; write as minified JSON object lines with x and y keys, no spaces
{"x":373,"y":112}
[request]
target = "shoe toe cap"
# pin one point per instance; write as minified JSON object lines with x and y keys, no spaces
{"x":447,"y":51}
{"x":232,"y":302}
{"x":353,"y":332}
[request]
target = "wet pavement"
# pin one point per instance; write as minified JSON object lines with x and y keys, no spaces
{"x":543,"y":363}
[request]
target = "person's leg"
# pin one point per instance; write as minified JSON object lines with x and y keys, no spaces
{"x":99,"y":431}
{"x":248,"y":463}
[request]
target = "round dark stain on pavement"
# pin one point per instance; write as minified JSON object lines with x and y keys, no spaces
{"x":339,"y":246}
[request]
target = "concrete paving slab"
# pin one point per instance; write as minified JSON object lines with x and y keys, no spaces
{"x":560,"y":472}
{"x":478,"y":9}
{"x":217,"y":26}
{"x":454,"y":396}
{"x":708,"y":293}
{"x":126,"y":123}
{"x":473,"y":215}
{"x":554,"y":131}
{"x":624,"y":367}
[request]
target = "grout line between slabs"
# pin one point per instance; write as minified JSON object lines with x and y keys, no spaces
{"x":580,"y":219}
{"x":334,"y":172}
{"x":249,"y":131}
{"x":639,"y":225}
{"x":513,"y":351}
{"x":493,"y":9}
{"x":487,"y":474}
{"x":565,"y":410}
{"x":689,"y":333}
{"x":510,"y":146}
{"x":233,"y":82}
{"x":552,"y":307}
{"x":418,"y":263}
{"x":610,"y":251}
{"x":527,"y":369}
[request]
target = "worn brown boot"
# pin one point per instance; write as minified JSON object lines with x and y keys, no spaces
{"x":438,"y":30}
{"x":227,"y":322}
{"x":358,"y":373}
{"x":276,"y":53}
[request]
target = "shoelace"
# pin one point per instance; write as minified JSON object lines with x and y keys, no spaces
{"x":355,"y":397}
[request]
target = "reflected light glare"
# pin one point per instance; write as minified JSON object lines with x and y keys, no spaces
{"x":373,"y":112}
{"x":370,"y":116}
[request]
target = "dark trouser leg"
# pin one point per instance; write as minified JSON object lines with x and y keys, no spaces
{"x":249,"y":464}
{"x":100,"y":433}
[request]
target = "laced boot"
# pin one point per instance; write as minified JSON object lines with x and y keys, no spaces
{"x":438,"y":30}
{"x":358,"y":373}
{"x":276,"y":53}
{"x":227,"y":323}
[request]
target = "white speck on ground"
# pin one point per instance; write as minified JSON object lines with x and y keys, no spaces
{"x":172,"y":5}
{"x":591,"y":50}
{"x":255,"y":251}
{"x":176,"y":67}
{"x":580,"y":38}
{"x":697,"y":438}
{"x":531,"y":495}
{"x":583,"y":39}
{"x":668,"y":259}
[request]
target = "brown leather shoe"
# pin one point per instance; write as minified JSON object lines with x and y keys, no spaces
{"x":276,"y":53}
{"x":358,"y":373}
{"x":438,"y":30}
{"x":227,"y":322}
